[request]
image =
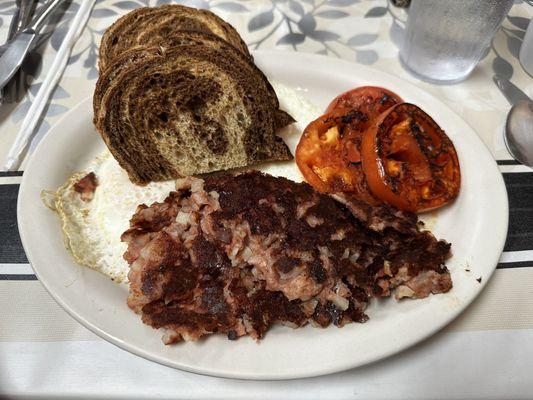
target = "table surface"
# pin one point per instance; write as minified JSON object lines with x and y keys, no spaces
{"x":486,"y":353}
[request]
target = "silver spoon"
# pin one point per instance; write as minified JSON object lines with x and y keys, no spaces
{"x":518,"y":134}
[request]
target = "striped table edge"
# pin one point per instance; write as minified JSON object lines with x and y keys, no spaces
{"x":518,"y":252}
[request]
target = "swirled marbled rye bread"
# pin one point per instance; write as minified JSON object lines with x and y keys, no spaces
{"x":136,"y":54}
{"x":155,"y":26}
{"x":188,"y":110}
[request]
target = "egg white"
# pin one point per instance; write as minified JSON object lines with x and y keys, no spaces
{"x":92,"y":229}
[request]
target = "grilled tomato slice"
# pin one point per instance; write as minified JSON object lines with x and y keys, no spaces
{"x":408,"y":160}
{"x":328,"y":155}
{"x":370,"y":100}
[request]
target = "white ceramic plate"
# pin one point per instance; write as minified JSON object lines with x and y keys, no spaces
{"x":476,"y":225}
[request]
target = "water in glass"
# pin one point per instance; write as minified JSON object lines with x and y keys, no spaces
{"x":445,"y":40}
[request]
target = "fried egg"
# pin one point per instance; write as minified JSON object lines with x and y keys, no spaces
{"x":92,"y":229}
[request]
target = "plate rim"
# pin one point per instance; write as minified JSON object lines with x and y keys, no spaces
{"x":297,"y":56}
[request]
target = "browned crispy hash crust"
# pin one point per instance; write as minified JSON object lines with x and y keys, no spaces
{"x":237,"y":254}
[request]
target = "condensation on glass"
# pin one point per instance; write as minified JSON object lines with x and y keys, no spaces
{"x":444,"y":40}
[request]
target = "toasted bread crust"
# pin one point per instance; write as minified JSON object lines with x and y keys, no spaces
{"x":155,"y":26}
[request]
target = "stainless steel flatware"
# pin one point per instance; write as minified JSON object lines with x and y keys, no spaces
{"x":48,"y":84}
{"x":14,"y":89}
{"x":15,"y":22}
{"x":22,"y":17}
{"x":18,"y":48}
{"x":13,"y":29}
{"x":518,"y":133}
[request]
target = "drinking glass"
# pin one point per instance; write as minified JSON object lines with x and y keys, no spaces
{"x":444,"y":40}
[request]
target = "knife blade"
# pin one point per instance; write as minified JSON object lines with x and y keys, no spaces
{"x":512,"y":93}
{"x":16,"y":87}
{"x":14,"y":55}
{"x":13,"y":29}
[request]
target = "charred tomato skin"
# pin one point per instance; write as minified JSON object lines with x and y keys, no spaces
{"x":409,"y":161}
{"x":371,"y":100}
{"x":328,"y":154}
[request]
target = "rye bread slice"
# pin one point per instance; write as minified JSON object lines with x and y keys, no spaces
{"x":149,"y":26}
{"x":129,"y":59}
{"x":126,"y":60}
{"x":189,"y":110}
{"x":162,"y":28}
{"x":138,"y":53}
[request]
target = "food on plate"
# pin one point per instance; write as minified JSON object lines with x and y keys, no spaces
{"x":409,"y":161}
{"x":237,"y":254}
{"x":86,"y":186}
{"x":369,"y":100}
{"x":179,"y":94}
{"x":371,"y":146}
{"x":92,"y":227}
{"x":95,"y":207}
{"x":188,"y":110}
{"x":157,"y":26}
{"x":329,"y":160}
{"x":129,"y":59}
{"x":328,"y":154}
